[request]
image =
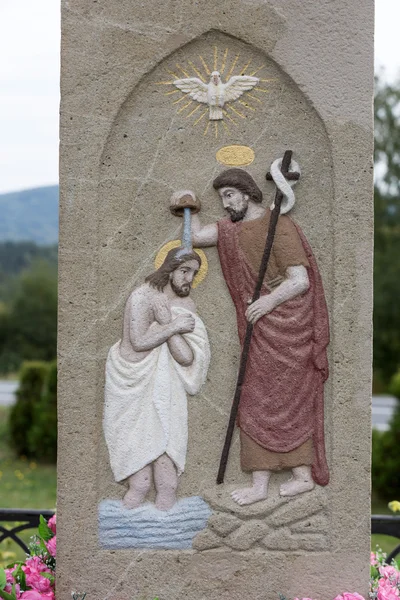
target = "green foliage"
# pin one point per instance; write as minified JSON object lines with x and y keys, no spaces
{"x":6,"y":596}
{"x":33,"y":419}
{"x":44,"y":530}
{"x":34,"y":313}
{"x":17,"y":256}
{"x":42,"y":436}
{"x":386,"y":292}
{"x":24,"y":483}
{"x":3,"y":580}
{"x":10,"y":360}
{"x":386,"y":459}
{"x":32,"y":381}
{"x":30,"y":215}
{"x":394,"y":386}
{"x":28,"y":323}
{"x":387,"y":231}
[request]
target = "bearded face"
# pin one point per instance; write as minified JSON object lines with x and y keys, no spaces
{"x":235,"y":203}
{"x":182,"y":278}
{"x":236,"y":215}
{"x":181,"y":290}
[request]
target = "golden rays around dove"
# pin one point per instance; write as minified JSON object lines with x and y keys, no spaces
{"x":204,"y":90}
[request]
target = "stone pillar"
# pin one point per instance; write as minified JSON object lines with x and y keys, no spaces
{"x":129,"y":139}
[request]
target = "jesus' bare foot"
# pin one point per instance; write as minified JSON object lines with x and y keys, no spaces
{"x":301,"y":482}
{"x":258,"y":491}
{"x":139,"y":486}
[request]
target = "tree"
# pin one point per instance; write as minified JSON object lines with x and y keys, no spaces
{"x":34,"y":312}
{"x":387,"y":231}
{"x":28,"y":329}
{"x":32,"y":380}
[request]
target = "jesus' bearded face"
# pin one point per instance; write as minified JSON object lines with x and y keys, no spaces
{"x":235,"y":202}
{"x":182,"y":278}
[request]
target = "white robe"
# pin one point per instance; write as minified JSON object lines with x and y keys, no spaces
{"x":145,"y":413}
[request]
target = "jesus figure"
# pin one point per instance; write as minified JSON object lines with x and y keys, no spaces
{"x":281,"y":415}
{"x":163,"y":354}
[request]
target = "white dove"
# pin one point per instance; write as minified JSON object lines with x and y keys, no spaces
{"x":215,"y":93}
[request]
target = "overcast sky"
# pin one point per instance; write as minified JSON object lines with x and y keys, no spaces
{"x":29,"y":87}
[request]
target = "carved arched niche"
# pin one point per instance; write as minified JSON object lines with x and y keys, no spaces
{"x":154,"y":148}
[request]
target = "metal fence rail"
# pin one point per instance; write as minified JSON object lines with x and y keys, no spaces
{"x":387,"y":525}
{"x":24,"y":519}
{"x":29,"y":519}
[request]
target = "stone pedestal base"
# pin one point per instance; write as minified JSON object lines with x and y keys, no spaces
{"x":279,"y":524}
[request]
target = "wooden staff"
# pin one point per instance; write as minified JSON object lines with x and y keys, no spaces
{"x":287,"y":158}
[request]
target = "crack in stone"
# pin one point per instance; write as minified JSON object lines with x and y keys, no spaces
{"x":218,"y":409}
{"x":146,"y":178}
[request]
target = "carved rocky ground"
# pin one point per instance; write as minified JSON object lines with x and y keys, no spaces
{"x":276,"y":524}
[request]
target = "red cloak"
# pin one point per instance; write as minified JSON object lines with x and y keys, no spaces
{"x":282,"y":398}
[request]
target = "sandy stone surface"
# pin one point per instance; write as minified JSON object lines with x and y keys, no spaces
{"x":275,"y":524}
{"x":125,"y":147}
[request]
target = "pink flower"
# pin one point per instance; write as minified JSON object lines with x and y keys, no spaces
{"x":8,"y":590}
{"x":373,"y":560}
{"x":52,"y":523}
{"x":35,"y":563}
{"x":9,"y":574}
{"x":39,"y":583}
{"x":386,"y":591}
{"x":390,"y":573}
{"x":34,"y":595}
{"x":33,"y":570}
{"x":10,"y":579}
{"x":348,"y":596}
{"x":51,"y":546}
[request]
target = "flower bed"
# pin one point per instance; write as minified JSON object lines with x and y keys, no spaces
{"x":33,"y":579}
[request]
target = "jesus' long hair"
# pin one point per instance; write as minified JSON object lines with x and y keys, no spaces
{"x":174,"y":258}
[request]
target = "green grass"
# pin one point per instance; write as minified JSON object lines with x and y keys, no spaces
{"x":23,"y":484}
{"x":386,"y":542}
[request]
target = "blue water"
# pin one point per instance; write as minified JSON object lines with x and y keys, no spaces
{"x":148,"y":527}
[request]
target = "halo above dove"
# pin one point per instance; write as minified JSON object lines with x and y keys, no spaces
{"x":216,"y":96}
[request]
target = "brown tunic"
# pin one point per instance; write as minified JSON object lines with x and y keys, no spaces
{"x":254,"y":457}
{"x":287,"y":251}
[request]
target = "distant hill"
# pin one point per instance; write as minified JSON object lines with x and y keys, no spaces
{"x":30,"y":215}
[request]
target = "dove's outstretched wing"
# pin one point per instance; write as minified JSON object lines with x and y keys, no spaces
{"x":193,"y":86}
{"x":237,"y":85}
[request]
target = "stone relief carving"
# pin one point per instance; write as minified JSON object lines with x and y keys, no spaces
{"x":281,"y":409}
{"x":277,"y":524}
{"x":163,"y":355}
{"x":280,"y":415}
{"x":208,"y":88}
{"x":215,"y":93}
